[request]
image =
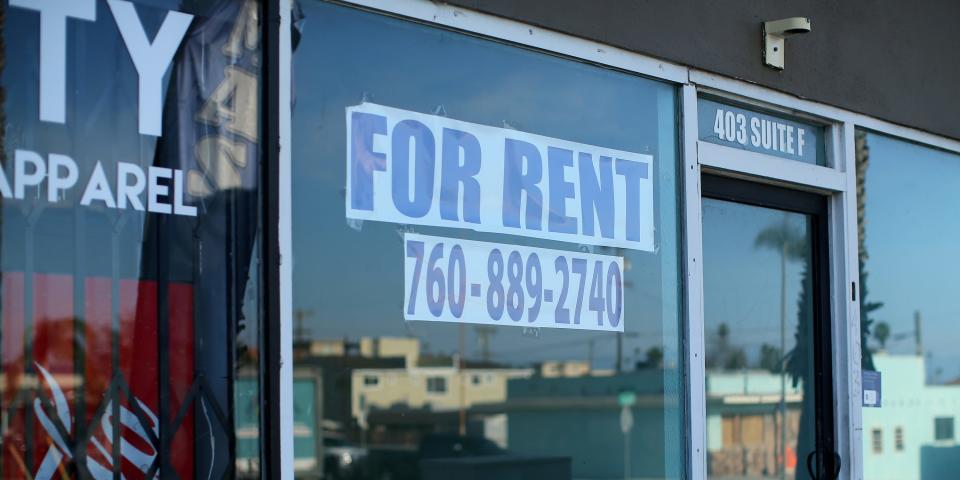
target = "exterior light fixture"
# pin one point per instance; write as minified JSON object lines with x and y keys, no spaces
{"x":774,"y":34}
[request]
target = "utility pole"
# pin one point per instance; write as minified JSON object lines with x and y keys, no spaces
{"x":462,"y":380}
{"x":483,"y":338}
{"x":918,"y":332}
{"x":618,"y":367}
{"x":590,"y":356}
{"x":299,"y":331}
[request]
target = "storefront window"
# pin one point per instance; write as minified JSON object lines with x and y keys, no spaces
{"x":130,"y":197}
{"x":908,"y":227}
{"x":492,"y":233}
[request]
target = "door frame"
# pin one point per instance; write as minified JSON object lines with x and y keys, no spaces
{"x":748,"y":192}
{"x":835,"y":184}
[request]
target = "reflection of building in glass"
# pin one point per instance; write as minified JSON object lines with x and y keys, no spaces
{"x":743,"y":424}
{"x":361,"y":400}
{"x":433,"y":388}
{"x":384,"y":391}
{"x":399,"y":404}
{"x":307,"y":424}
{"x":554,"y":415}
{"x":580,"y":417}
{"x":912,"y":435}
{"x":393,"y":403}
{"x":334,"y":360}
{"x":373,"y":401}
{"x":570,"y":368}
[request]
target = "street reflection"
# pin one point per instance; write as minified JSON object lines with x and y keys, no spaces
{"x":382,"y":407}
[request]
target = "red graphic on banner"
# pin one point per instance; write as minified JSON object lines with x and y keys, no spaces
{"x":44,"y":452}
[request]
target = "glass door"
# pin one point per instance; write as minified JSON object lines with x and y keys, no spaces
{"x":768,"y":369}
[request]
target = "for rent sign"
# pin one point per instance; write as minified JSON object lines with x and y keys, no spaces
{"x":413,"y":168}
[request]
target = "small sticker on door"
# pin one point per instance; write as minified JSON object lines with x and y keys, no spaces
{"x":871,"y":388}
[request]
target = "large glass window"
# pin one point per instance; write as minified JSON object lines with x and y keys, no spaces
{"x":468,"y":210}
{"x":908,"y":225}
{"x":130,"y":144}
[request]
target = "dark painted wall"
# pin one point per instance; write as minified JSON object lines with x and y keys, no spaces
{"x":898,"y":60}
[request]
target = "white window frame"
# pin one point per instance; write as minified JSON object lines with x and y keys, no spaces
{"x":285,"y":238}
{"x":837,"y":181}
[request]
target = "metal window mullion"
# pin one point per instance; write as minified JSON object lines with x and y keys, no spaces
{"x":770,"y":168}
{"x":839,"y":285}
{"x":284,"y":240}
{"x":839,"y":297}
{"x":276,"y":366}
{"x":848,"y":333}
{"x":696,"y":413}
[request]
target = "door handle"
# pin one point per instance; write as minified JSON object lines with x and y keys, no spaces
{"x":836,"y":463}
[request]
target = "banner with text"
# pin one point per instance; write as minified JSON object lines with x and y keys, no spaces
{"x":412,"y":168}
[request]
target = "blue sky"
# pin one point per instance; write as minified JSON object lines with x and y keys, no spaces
{"x":742,"y":282}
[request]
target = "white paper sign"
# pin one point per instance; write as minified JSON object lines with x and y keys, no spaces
{"x":412,"y":168}
{"x":464,"y":281}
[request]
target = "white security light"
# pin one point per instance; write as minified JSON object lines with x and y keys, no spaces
{"x":774,"y":34}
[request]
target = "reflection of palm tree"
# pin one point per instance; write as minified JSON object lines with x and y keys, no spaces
{"x":866,"y":307}
{"x":798,"y":362}
{"x":882,"y":332}
{"x":788,"y":239}
{"x":799,"y":365}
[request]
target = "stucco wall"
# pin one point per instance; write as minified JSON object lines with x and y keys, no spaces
{"x":890,"y":59}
